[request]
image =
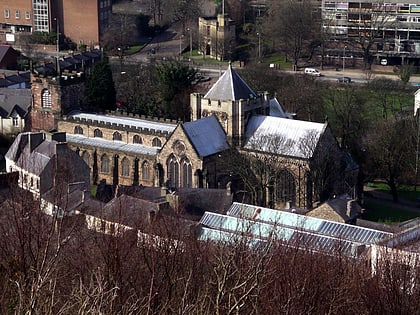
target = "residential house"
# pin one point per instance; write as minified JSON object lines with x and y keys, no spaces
{"x":8,"y":57}
{"x":51,"y":171}
{"x":14,"y":106}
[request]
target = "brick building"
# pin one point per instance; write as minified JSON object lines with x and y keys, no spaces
{"x":83,"y":22}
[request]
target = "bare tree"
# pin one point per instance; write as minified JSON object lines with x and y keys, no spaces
{"x":389,"y":151}
{"x":294,"y":24}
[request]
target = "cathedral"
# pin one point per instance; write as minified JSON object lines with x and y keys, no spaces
{"x":288,"y":161}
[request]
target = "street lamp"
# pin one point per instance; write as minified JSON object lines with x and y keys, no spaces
{"x":120,"y":55}
{"x":180,"y":45}
{"x":344,"y":56}
{"x":58,"y":43}
{"x":259,"y":46}
{"x":189,"y":30}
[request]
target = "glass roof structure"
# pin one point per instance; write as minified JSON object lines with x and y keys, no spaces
{"x":265,"y":225}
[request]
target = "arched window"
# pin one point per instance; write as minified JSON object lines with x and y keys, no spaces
{"x":104,"y":164}
{"x":137,"y":139}
{"x":173,"y":171}
{"x":145,"y":171}
{"x":125,"y":167}
{"x":78,"y":130}
{"x":186,"y":169}
{"x":97,"y":133}
{"x":156,"y":142}
{"x":46,"y":98}
{"x":116,"y":136}
{"x":86,"y":157}
{"x":285,"y":187}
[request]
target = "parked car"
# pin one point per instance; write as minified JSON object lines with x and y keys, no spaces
{"x":312,"y":72}
{"x":344,"y":80}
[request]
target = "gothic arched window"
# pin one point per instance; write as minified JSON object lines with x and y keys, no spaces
{"x":186,"y":170}
{"x":116,"y":136}
{"x":104,"y":164}
{"x":156,"y":142}
{"x":173,"y":171}
{"x":46,"y":98}
{"x":125,"y":167}
{"x":78,"y":130}
{"x":137,"y":139}
{"x":97,"y":133}
{"x":285,"y":187}
{"x":145,"y":171}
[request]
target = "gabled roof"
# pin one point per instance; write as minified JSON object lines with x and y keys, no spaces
{"x":276,"y":110}
{"x":287,"y":137}
{"x":230,"y":86}
{"x":33,"y":160}
{"x":3,"y":50}
{"x":17,"y":100}
{"x":206,"y":135}
{"x":340,"y":208}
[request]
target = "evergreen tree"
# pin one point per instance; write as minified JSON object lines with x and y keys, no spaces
{"x":176,"y":81}
{"x":100,"y":87}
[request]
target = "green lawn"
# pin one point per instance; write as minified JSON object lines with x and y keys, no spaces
{"x":133,"y":49}
{"x":386,"y":214}
{"x":404,"y":191}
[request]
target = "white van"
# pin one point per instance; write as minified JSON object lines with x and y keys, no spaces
{"x":313,"y":72}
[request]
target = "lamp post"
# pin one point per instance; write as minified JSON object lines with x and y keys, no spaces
{"x":189,"y":30}
{"x":58,"y":43}
{"x":180,"y":45}
{"x":344,"y":56}
{"x":120,"y":55}
{"x":259,"y":46}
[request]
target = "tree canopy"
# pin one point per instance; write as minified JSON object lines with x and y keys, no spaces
{"x":100,"y":87}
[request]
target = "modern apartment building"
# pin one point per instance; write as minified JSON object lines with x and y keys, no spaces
{"x":82,"y":21}
{"x":392,"y":28}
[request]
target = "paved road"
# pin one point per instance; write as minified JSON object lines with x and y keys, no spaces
{"x":167,"y":44}
{"x":360,"y":76}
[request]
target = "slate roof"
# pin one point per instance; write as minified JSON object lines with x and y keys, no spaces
{"x":287,"y":137}
{"x":276,"y":110}
{"x":17,"y":100}
{"x":343,"y":206}
{"x":230,"y":86}
{"x":11,"y":78}
{"x":112,"y":145}
{"x":128,"y":122}
{"x":33,"y":161}
{"x":206,"y":135}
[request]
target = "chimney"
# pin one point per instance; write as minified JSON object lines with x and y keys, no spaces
{"x":35,"y":139}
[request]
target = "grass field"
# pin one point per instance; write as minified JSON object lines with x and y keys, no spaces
{"x":377,"y":212}
{"x":392,"y":213}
